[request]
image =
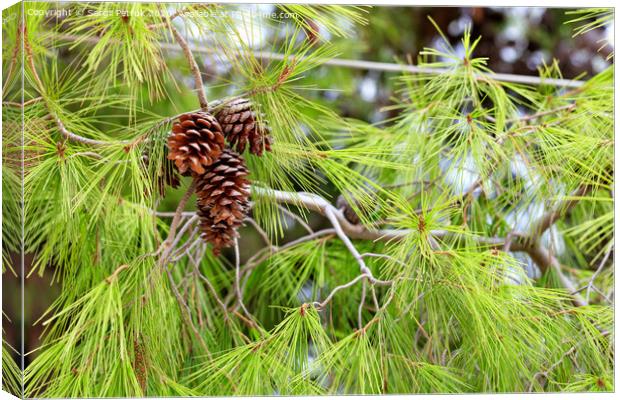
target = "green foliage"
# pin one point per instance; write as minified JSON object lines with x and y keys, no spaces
{"x":11,"y":372}
{"x":429,"y":295}
{"x":589,"y":19}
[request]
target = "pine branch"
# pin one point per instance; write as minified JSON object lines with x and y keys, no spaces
{"x":200,"y":90}
{"x":167,"y":246}
{"x":41,"y":87}
{"x":548,"y":219}
{"x":545,"y":260}
{"x":186,"y":313}
{"x":378,"y":66}
{"x":525,"y":118}
{"x":318,"y":204}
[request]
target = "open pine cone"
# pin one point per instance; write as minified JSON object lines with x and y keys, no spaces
{"x":223,"y":199}
{"x":240,"y":126}
{"x":196,"y":142}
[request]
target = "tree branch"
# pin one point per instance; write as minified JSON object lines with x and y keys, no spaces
{"x":167,"y":245}
{"x":61,"y":126}
{"x":374,"y":66}
{"x":193,"y":66}
{"x":545,"y":260}
{"x":548,"y":219}
{"x":346,"y":230}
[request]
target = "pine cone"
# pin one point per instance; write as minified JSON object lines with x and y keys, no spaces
{"x":223,"y":193}
{"x":240,"y":126}
{"x":347,"y":210}
{"x":196,"y":142}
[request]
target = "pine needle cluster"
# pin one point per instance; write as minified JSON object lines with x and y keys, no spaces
{"x":480,"y":260}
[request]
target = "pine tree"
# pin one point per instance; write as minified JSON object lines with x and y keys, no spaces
{"x":470,"y":249}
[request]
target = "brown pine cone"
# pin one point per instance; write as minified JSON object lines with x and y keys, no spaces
{"x":196,"y":142}
{"x":223,"y":199}
{"x":347,"y":210}
{"x":240,"y":126}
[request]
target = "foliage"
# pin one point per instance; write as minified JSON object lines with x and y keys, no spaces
{"x":486,"y":211}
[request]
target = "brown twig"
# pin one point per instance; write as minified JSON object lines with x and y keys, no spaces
{"x":193,"y":66}
{"x":112,"y":278}
{"x":525,"y":118}
{"x":167,"y":245}
{"x":61,"y":126}
{"x":186,"y":313}
{"x":548,"y":219}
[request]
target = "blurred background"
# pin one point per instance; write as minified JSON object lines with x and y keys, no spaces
{"x":515,"y":40}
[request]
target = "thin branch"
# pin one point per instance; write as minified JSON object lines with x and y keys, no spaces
{"x":548,"y":219}
{"x":114,"y":274}
{"x":166,"y":246}
{"x":189,"y":244}
{"x":329,"y":213}
{"x":193,"y":66}
{"x":525,"y":118}
{"x":171,"y":214}
{"x":546,"y":260}
{"x":186,"y":313}
{"x":267,"y":252}
{"x":347,"y":231}
{"x":597,"y":272}
{"x":184,"y":229}
{"x":296,"y":218}
{"x":372,"y":65}
{"x":13,"y":57}
{"x":238,"y":282}
{"x":61,"y":126}
{"x":545,"y":374}
{"x":260,"y":230}
{"x":321,"y":305}
{"x":210,"y":286}
{"x":34,"y":100}
{"x":360,"y":309}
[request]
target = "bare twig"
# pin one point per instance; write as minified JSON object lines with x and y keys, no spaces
{"x":261,"y":232}
{"x":545,"y":374}
{"x":186,"y":313}
{"x":373,"y":65}
{"x":296,"y":217}
{"x":13,"y":57}
{"x":597,"y":272}
{"x":346,"y":230}
{"x":193,"y":66}
{"x":548,"y":219}
{"x":167,"y":245}
{"x":360,"y":309}
{"x":321,"y":305}
{"x":525,"y":118}
{"x":329,"y":213}
{"x":546,"y":260}
{"x":238,"y":282}
{"x":210,"y":286}
{"x":61,"y":127}
{"x":114,"y":274}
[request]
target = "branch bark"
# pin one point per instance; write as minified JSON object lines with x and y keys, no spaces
{"x":539,"y":255}
{"x":548,"y":219}
{"x":193,"y":66}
